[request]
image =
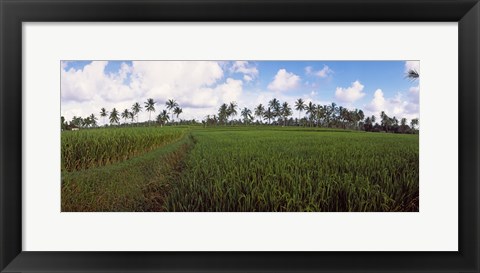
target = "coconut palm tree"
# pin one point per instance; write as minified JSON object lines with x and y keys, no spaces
{"x":177,"y":111}
{"x":246,"y":114}
{"x":268,"y":114}
{"x":361,"y":115}
{"x":125,"y":115}
{"x":299,"y":106}
{"x":150,"y":107}
{"x":274,"y":104}
{"x":171,"y":104}
{"x":232,"y":109}
{"x":311,"y":109}
{"x":320,"y":114}
{"x":114,"y":116}
{"x":223,"y":113}
{"x":163,"y":117}
{"x":86,"y":122}
{"x":259,"y":111}
{"x":131,"y":116}
{"x":136,"y":108}
{"x":285,"y":111}
{"x":413,"y":74}
{"x":93,"y":120}
{"x":103,"y":113}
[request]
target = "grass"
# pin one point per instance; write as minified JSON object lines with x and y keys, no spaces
{"x":99,"y":147}
{"x":255,"y":168}
{"x":138,"y":184}
{"x":286,"y":169}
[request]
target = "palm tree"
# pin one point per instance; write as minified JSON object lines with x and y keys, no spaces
{"x":286,"y":111}
{"x":361,"y":115}
{"x":132,"y":116}
{"x":311,"y":108}
{"x":177,"y":111}
{"x":103,"y":113}
{"x":114,"y":116}
{"x":77,"y":121}
{"x":268,"y":114}
{"x":275,"y":106}
{"x":232,"y":109}
{"x":246,"y":114}
{"x":171,"y":104}
{"x":163,"y":117}
{"x":223,"y":113}
{"x":259,"y":111}
{"x":150,"y":107}
{"x":93,"y":120}
{"x":333,"y":111}
{"x":125,"y":115}
{"x":413,"y":74}
{"x":320,"y":113}
{"x":300,"y":106}
{"x":413,"y":122}
{"x":86,"y":122}
{"x":136,"y":108}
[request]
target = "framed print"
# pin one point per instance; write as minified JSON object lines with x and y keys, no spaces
{"x":247,"y":136}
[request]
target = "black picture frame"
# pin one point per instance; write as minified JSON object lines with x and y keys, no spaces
{"x":14,"y":12}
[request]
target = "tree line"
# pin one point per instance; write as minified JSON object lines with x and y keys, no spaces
{"x":316,"y":115}
{"x":273,"y":113}
{"x":114,"y":116}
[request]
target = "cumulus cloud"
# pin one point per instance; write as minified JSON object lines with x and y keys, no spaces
{"x":197,"y":86}
{"x":350,"y":94}
{"x":92,"y":81}
{"x":284,"y":81}
{"x":401,"y":105}
{"x":323,"y":73}
{"x":250,"y":71}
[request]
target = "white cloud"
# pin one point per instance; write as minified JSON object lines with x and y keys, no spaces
{"x":350,"y":94}
{"x":414,"y":94}
{"x":197,"y":86}
{"x":250,"y":71}
{"x":284,"y":81}
{"x":247,"y":78}
{"x":308,"y":70}
{"x":400,"y":106}
{"x":92,"y":81}
{"x":323,"y":73}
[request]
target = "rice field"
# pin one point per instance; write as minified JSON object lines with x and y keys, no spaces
{"x":99,"y":147}
{"x":246,"y":169}
{"x":298,"y":170}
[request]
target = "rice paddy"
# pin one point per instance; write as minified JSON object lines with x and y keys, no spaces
{"x":239,"y":169}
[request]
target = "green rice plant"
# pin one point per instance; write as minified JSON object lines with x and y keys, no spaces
{"x":137,"y":184}
{"x":99,"y":147}
{"x":282,"y":169}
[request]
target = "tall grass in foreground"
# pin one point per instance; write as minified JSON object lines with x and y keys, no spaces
{"x":99,"y":147}
{"x":138,"y":184}
{"x":247,"y":170}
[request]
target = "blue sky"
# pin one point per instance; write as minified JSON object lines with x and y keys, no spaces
{"x":201,"y":86}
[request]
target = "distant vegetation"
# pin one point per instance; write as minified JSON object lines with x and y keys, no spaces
{"x":274,"y":113}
